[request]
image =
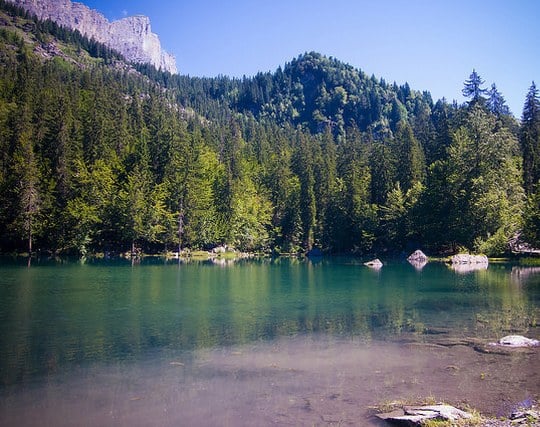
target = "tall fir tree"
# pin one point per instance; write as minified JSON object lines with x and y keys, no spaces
{"x":473,"y":89}
{"x":530,"y":139}
{"x":496,"y":102}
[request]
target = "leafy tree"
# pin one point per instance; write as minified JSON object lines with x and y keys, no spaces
{"x":484,"y":181}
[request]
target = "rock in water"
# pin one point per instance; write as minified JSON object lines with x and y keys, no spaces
{"x":417,"y":255}
{"x":376,"y":263}
{"x":418,"y":259}
{"x":517,"y":341}
{"x":418,"y":415}
{"x":469,"y":259}
{"x":131,"y":36}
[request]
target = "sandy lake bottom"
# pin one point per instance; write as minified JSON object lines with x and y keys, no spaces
{"x":302,"y":380}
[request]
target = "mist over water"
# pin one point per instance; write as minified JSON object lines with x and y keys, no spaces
{"x":256,"y":343}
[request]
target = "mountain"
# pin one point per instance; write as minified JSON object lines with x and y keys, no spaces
{"x":131,"y":36}
{"x":102,"y":156}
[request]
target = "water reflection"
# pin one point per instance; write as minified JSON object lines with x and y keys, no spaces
{"x":56,"y":317}
{"x":418,"y":264}
{"x":468,"y":268}
{"x":521,"y":275}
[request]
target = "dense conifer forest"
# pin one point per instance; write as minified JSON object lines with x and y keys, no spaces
{"x":102,"y":156}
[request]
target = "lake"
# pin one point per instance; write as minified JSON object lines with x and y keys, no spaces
{"x":257,"y":342}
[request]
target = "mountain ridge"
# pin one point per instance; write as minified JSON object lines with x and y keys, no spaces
{"x":131,"y":36}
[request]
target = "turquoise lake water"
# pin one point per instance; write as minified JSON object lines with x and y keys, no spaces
{"x":284,"y":341}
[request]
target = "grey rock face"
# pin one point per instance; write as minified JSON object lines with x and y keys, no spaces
{"x":131,"y":36}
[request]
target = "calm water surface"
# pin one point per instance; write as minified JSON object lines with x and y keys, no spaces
{"x":282,"y":342}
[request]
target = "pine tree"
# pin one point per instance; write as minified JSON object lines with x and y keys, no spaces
{"x":26,"y":173}
{"x":303,"y":167}
{"x":411,"y":162}
{"x":496,"y":102}
{"x":530,"y":140}
{"x":473,"y":89}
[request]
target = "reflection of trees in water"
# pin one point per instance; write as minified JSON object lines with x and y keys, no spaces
{"x":101,"y":315}
{"x":521,"y":275}
{"x":509,"y":308}
{"x":468,"y":268}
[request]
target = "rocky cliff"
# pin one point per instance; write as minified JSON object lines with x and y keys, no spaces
{"x":131,"y":36}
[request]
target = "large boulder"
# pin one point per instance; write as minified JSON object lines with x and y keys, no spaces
{"x":418,"y":259}
{"x":469,"y":259}
{"x":418,"y":256}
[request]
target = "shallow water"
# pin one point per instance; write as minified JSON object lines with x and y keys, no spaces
{"x":257,"y":343}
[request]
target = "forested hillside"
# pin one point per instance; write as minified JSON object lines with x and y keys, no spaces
{"x":99,"y":155}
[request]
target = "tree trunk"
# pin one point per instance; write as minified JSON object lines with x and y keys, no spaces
{"x":180,"y":230}
{"x":30,"y":238}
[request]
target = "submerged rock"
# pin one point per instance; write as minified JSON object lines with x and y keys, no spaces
{"x":528,"y":417}
{"x":418,"y":415}
{"x":376,"y":263}
{"x":516,"y":341}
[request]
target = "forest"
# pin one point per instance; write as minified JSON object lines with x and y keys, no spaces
{"x":101,"y":156}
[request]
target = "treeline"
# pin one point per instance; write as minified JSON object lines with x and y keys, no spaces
{"x":98,"y":159}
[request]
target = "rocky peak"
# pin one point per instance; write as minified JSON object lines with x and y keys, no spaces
{"x":131,"y":36}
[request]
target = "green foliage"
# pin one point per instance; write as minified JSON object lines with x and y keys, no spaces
{"x":531,"y":226}
{"x":100,"y":158}
{"x":530,"y":139}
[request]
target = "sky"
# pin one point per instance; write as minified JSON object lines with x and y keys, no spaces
{"x":431,"y":44}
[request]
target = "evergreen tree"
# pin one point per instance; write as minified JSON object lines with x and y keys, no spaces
{"x":473,"y":89}
{"x":496,"y":102}
{"x":484,"y":183}
{"x":25,"y":169}
{"x":530,"y":139}
{"x":411,"y":163}
{"x":303,"y":167}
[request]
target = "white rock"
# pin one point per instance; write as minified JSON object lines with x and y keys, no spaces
{"x":417,"y":255}
{"x":469,"y":259}
{"x":376,"y":263}
{"x":518,"y":341}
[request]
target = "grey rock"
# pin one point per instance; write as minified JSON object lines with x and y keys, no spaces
{"x":417,"y":415}
{"x":376,"y":263}
{"x":469,"y":259}
{"x":131,"y":36}
{"x":517,"y":341}
{"x":417,"y":255}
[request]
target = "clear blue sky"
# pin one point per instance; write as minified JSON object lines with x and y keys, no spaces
{"x":431,"y":44}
